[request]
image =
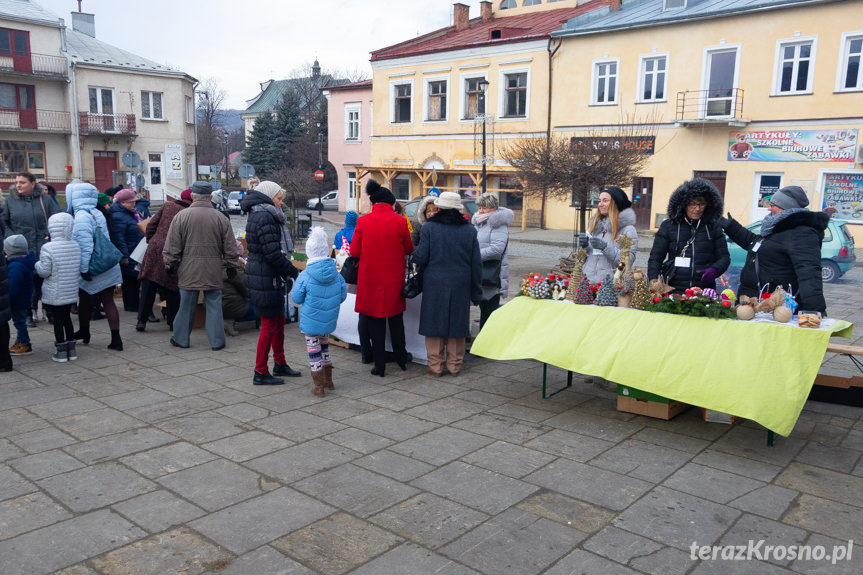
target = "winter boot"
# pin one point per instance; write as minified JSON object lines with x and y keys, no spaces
{"x":116,"y":342}
{"x":228,"y":324}
{"x":83,"y":335}
{"x":328,"y":376}
{"x":70,"y":350}
{"x":318,"y":379}
{"x":62,"y":354}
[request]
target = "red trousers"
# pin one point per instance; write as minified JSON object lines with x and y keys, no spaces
{"x":272,"y":336}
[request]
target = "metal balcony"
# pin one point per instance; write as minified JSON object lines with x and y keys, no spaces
{"x":35,"y":65}
{"x":711,"y":107}
{"x":122,"y":124}
{"x":36,"y":120}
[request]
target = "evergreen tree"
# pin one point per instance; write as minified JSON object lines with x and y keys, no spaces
{"x":584,"y":295}
{"x":259,"y":150}
{"x":288,"y":128}
{"x":641,"y":294}
{"x":606,"y":295}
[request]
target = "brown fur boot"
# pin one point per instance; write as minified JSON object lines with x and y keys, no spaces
{"x":318,"y":378}
{"x":328,"y":376}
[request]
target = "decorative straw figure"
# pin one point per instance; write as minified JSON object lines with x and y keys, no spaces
{"x":577,"y":271}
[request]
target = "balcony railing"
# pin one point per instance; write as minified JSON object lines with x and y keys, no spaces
{"x":41,"y":120}
{"x":715,"y":105}
{"x":91,"y":123}
{"x":36,"y":64}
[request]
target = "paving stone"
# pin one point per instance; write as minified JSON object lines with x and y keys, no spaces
{"x":202,"y":427}
{"x":720,"y":567}
{"x":826,"y":517}
{"x":9,"y":450}
{"x":666,"y":561}
{"x":565,"y":510}
{"x":175,"y":551}
{"x":396,"y":399}
{"x":298,"y":426}
{"x":43,"y":440}
{"x":670,"y":439}
{"x":137,"y":398}
{"x":482,"y":397}
{"x":570,"y":445}
{"x":823,"y":483}
{"x":45,"y":464}
{"x":842,"y":565}
{"x":676,"y":519}
{"x":265,"y":560}
{"x":582,"y":562}
{"x":250,"y":524}
{"x":62,"y":544}
{"x":642,"y":460}
{"x":441,"y":445}
{"x":64,"y":407}
{"x":419,"y":559}
{"x":217,"y":484}
{"x":247,"y":445}
{"x":502,"y":428}
{"x":522,"y":412}
{"x":29,"y":512}
{"x":476,"y":487}
{"x":446,"y":410}
{"x":593,"y":425}
{"x":591,"y":484}
{"x":394,"y":465}
{"x":339,"y":408}
{"x":752,"y":443}
{"x":770,"y":501}
{"x":710,"y":483}
{"x":300,"y":461}
{"x":359,"y":440}
{"x":429,"y":520}
{"x":97,"y":423}
{"x":197,"y":366}
{"x":96,"y":486}
{"x":752,"y":528}
{"x":166,"y":410}
{"x":835,"y":458}
{"x":854,"y":440}
{"x":80,"y":569}
{"x":356,"y":490}
{"x":36,"y":396}
{"x":184,"y":385}
{"x":397,"y":426}
{"x":619,"y":545}
{"x":433,"y":389}
{"x":514,"y":541}
{"x":228,"y":396}
{"x":12,"y":484}
{"x":168,"y":459}
{"x":508,"y":459}
{"x":243,"y":412}
{"x":118,"y":445}
{"x":14,"y":422}
{"x":337,"y":544}
{"x":158,"y":510}
{"x":739,"y":465}
{"x":504,"y":387}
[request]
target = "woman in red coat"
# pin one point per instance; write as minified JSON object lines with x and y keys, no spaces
{"x":381,"y":241}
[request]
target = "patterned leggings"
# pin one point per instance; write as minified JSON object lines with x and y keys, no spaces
{"x":318,"y":347}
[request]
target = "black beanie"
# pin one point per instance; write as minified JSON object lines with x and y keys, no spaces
{"x":619,"y":196}
{"x":378,"y":194}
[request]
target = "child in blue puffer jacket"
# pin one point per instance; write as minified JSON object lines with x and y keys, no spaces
{"x":320,"y":289}
{"x":21,"y":261}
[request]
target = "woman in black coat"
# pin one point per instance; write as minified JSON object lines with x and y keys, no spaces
{"x":449,"y":254}
{"x":787,"y":253}
{"x":5,"y":310}
{"x":126,"y":237}
{"x":692,"y":237}
{"x":268,"y":269}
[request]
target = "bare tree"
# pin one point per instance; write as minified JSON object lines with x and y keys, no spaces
{"x":210,"y":118}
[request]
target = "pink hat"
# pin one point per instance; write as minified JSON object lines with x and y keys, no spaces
{"x":125,"y":195}
{"x":186,"y":195}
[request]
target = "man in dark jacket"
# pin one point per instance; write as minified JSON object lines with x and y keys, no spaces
{"x":787,"y":253}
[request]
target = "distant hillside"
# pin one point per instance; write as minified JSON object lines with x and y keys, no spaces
{"x":232,"y":120}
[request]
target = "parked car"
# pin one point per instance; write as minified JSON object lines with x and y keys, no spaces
{"x":234,"y":202}
{"x":469,"y":205}
{"x":837,"y":251}
{"x":330,"y":201}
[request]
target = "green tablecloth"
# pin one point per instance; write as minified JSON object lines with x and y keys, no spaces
{"x":760,"y":371}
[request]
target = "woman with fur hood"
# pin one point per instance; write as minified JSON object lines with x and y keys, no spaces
{"x":692,"y":237}
{"x":492,"y":232}
{"x":613,"y":216}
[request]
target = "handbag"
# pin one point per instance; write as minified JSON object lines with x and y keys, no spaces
{"x":351,"y":269}
{"x":491,"y":270}
{"x":105,"y":254}
{"x":668,"y":268}
{"x":413,"y":282}
{"x":142,"y":225}
{"x":139,"y":251}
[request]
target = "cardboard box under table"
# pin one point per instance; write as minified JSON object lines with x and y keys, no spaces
{"x":633,"y":400}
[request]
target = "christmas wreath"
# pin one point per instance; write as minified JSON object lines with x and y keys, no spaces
{"x":694,"y":306}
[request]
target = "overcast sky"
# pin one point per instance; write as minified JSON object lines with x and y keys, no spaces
{"x":242,"y":43}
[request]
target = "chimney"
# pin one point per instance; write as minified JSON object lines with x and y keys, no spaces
{"x":84,"y":23}
{"x":485,"y":10}
{"x":614,"y":4}
{"x":460,"y":15}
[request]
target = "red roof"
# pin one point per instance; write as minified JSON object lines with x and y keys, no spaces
{"x":520,"y":28}
{"x":352,"y":86}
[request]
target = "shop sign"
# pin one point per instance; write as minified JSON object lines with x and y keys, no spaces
{"x":643,"y":144}
{"x":842,"y":196}
{"x":792,"y":145}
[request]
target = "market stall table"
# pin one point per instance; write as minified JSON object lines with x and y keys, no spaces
{"x":346,"y":330}
{"x":761,"y":371}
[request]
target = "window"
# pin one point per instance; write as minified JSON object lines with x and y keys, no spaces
{"x":436,"y":100}
{"x":16,"y":97}
{"x":795,"y":66}
{"x":654,"y":75}
{"x":673,"y":4}
{"x":515,"y":95}
{"x":508,"y":4}
{"x":101,"y":100}
{"x":22,"y":157}
{"x":189,"y":111}
{"x":720,"y":82}
{"x":531,"y":2}
{"x":850,"y":74}
{"x":352,"y":121}
{"x":402,"y":103}
{"x":474,"y":100}
{"x":151,"y":105}
{"x":14,"y":42}
{"x":401,"y":187}
{"x":605,"y":82}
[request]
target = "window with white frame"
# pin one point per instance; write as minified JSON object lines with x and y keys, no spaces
{"x":402,"y":102}
{"x":515,"y":95}
{"x":654,"y":78}
{"x":795,"y":66}
{"x":189,"y":111}
{"x":352,"y":121}
{"x":532,"y":2}
{"x":850,"y":69}
{"x":508,"y":4}
{"x":436,"y":100}
{"x":151,"y":105}
{"x":605,"y":82}
{"x":474,"y":99}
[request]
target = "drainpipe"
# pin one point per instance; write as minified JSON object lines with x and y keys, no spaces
{"x":76,"y":128}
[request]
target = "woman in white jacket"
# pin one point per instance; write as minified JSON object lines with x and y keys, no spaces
{"x":492,"y":232}
{"x":59,"y":262}
{"x":613,"y":217}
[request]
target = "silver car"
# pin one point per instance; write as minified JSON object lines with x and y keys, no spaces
{"x":329,"y":200}
{"x":234,"y":202}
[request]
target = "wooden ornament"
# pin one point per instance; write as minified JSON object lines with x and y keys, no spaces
{"x":782,"y":314}
{"x":745,"y":312}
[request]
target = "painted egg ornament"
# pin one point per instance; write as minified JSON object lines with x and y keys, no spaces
{"x":782,"y":314}
{"x":709,"y":292}
{"x":745,"y":312}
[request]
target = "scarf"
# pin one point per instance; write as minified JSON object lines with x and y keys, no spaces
{"x":770,"y":220}
{"x":480,"y":218}
{"x":280,"y":217}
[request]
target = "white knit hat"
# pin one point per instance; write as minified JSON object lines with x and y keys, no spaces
{"x":317,"y":245}
{"x":448,"y":201}
{"x":268,"y":188}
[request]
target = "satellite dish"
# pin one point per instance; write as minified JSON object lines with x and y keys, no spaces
{"x":131,"y":159}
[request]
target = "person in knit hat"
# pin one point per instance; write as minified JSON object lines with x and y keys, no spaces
{"x":613,"y":217}
{"x":58,"y":264}
{"x":320,"y":289}
{"x":20,"y":264}
{"x":347,"y":232}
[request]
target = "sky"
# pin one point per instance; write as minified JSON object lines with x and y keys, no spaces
{"x":242,"y":43}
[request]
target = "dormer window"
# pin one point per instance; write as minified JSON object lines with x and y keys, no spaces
{"x":673,"y":5}
{"x":508,"y":4}
{"x":495,"y":34}
{"x":531,"y":2}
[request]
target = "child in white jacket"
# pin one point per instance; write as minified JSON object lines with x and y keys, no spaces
{"x":59,"y":262}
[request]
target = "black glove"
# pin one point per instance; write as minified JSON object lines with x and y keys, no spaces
{"x":169,"y":270}
{"x":124,"y":262}
{"x":724,"y":222}
{"x":87,"y":276}
{"x":598,"y":243}
{"x":232,"y":273}
{"x":583,"y":240}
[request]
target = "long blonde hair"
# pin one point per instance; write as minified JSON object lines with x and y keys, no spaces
{"x":613,"y":214}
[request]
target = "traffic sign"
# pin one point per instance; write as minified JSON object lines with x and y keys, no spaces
{"x":434,"y":192}
{"x":131,"y":159}
{"x":319,"y":175}
{"x":246,"y":171}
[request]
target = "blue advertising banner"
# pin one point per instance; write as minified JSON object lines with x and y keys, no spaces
{"x":792,"y":145}
{"x":842,"y":196}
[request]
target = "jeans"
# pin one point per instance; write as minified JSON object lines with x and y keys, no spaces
{"x":186,"y":317}
{"x":19,"y":318}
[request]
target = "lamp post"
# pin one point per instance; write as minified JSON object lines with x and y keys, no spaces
{"x":320,"y":164}
{"x":227,"y":177}
{"x":483,"y":86}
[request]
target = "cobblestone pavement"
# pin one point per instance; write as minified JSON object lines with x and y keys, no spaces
{"x":160,"y":460}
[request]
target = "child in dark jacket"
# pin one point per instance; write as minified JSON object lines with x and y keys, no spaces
{"x":21,"y":261}
{"x":320,"y":289}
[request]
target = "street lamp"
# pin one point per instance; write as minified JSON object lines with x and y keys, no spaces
{"x":320,"y":164}
{"x":226,"y":158}
{"x":483,"y":86}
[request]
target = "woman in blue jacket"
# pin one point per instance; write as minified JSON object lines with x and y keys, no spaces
{"x":320,"y":289}
{"x":124,"y":222}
